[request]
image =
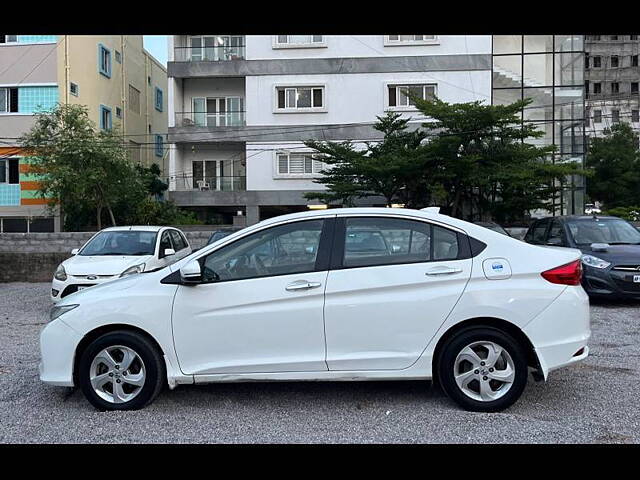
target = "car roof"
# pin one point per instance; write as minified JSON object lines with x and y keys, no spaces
{"x":138,"y":228}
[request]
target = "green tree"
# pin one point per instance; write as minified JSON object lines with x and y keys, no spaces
{"x":480,"y":156}
{"x":615,"y":163}
{"x":79,"y":165}
{"x":389,"y":168}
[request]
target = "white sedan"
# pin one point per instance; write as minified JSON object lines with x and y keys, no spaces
{"x":343,"y":294}
{"x":116,"y":252}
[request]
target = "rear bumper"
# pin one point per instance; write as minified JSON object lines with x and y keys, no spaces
{"x":561,"y":332}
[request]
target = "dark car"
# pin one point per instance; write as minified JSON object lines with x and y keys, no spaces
{"x":493,"y":226}
{"x":610,"y":248}
{"x":218,"y":234}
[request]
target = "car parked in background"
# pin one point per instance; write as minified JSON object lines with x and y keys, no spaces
{"x":320,"y":296}
{"x":220,"y":234}
{"x":116,"y":252}
{"x":610,"y":249}
{"x":493,"y":226}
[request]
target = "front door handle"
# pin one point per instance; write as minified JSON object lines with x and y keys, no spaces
{"x":443,"y":270}
{"x":302,"y":285}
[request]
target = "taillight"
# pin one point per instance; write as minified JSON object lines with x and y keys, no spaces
{"x":569,"y":274}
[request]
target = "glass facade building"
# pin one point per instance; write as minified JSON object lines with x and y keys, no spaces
{"x":549,"y":69}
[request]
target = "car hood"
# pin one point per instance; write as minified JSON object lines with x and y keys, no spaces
{"x":102,"y":264}
{"x":99,"y":290}
{"x":617,"y":254}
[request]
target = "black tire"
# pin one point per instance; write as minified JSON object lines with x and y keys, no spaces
{"x":155,"y":372}
{"x":454,"y":346}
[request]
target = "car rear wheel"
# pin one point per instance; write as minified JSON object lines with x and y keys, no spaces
{"x":483,"y":369}
{"x":121,"y":371}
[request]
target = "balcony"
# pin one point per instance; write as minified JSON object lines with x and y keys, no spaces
{"x":232,"y":118}
{"x":187,"y":182}
{"x":221,"y":53}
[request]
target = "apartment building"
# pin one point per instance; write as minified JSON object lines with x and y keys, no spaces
{"x":612,"y":80}
{"x":240,"y":107}
{"x":122,"y":85}
{"x":549,"y":70}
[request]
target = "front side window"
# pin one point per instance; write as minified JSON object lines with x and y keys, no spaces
{"x":300,"y":98}
{"x":299,"y":164}
{"x":536,"y":233}
{"x":556,"y":234}
{"x":388,"y":241}
{"x":104,"y":61}
{"x":397,"y":94}
{"x":178,"y":242}
{"x":281,"y":250}
{"x":135,"y":243}
{"x":165,"y":242}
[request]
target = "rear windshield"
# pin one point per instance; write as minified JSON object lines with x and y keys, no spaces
{"x":611,"y":231}
{"x":133,"y":243}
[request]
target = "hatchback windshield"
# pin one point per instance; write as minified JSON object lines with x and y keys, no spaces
{"x":121,"y":243}
{"x":611,"y":231}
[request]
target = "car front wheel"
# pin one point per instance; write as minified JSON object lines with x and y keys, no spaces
{"x":483,"y":369}
{"x":121,"y":370}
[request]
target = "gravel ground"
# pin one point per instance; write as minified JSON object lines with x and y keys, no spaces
{"x":595,"y":401}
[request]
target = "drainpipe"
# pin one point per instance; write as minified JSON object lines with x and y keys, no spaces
{"x":66,"y":69}
{"x":124,"y":84}
{"x":149,"y":90}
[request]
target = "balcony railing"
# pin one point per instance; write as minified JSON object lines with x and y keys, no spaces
{"x":221,"y":53}
{"x":183,"y":182}
{"x":205,"y":119}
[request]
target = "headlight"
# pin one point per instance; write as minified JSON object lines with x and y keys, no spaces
{"x":131,"y":270}
{"x":58,"y":310}
{"x":60,"y":273}
{"x":594,"y":262}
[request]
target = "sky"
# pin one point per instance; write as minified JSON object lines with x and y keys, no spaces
{"x":156,"y":45}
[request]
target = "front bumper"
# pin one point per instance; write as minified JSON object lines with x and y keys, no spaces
{"x":58,"y":343}
{"x":610,"y":283}
{"x":560,"y":333}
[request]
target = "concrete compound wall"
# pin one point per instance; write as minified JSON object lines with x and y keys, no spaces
{"x":33,"y":257}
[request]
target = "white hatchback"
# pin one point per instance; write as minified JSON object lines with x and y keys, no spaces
{"x":344,"y":294}
{"x":117,"y":252}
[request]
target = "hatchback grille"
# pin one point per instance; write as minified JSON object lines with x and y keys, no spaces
{"x":628,"y":268}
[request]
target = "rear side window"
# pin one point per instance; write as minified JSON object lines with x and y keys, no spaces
{"x":536,"y":233}
{"x":388,"y":241}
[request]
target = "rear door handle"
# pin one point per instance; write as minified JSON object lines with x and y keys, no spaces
{"x":302,"y":285}
{"x":443,"y":270}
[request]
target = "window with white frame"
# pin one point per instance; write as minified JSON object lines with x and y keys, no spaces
{"x":300,"y":98}
{"x":299,"y":41}
{"x":8,"y":100}
{"x":298,"y":164}
{"x":397,"y":94}
{"x":8,"y":38}
{"x":410,"y":39}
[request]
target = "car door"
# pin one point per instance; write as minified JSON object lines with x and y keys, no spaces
{"x":260,"y":309}
{"x":384,"y":301}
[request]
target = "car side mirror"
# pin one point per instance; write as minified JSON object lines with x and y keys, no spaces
{"x":191,"y":273}
{"x":75,"y":251}
{"x":395,"y":248}
{"x":168,"y":252}
{"x":555,"y":242}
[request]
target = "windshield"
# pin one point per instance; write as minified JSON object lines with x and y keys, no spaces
{"x":127,"y":242}
{"x":217,"y":236}
{"x":613,"y":232}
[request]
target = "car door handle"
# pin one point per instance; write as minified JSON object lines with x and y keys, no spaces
{"x":302,"y":285}
{"x":443,"y":270}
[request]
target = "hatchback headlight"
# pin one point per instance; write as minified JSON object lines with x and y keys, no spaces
{"x":58,"y":310}
{"x":594,"y":262}
{"x":60,"y":274}
{"x":131,"y":270}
